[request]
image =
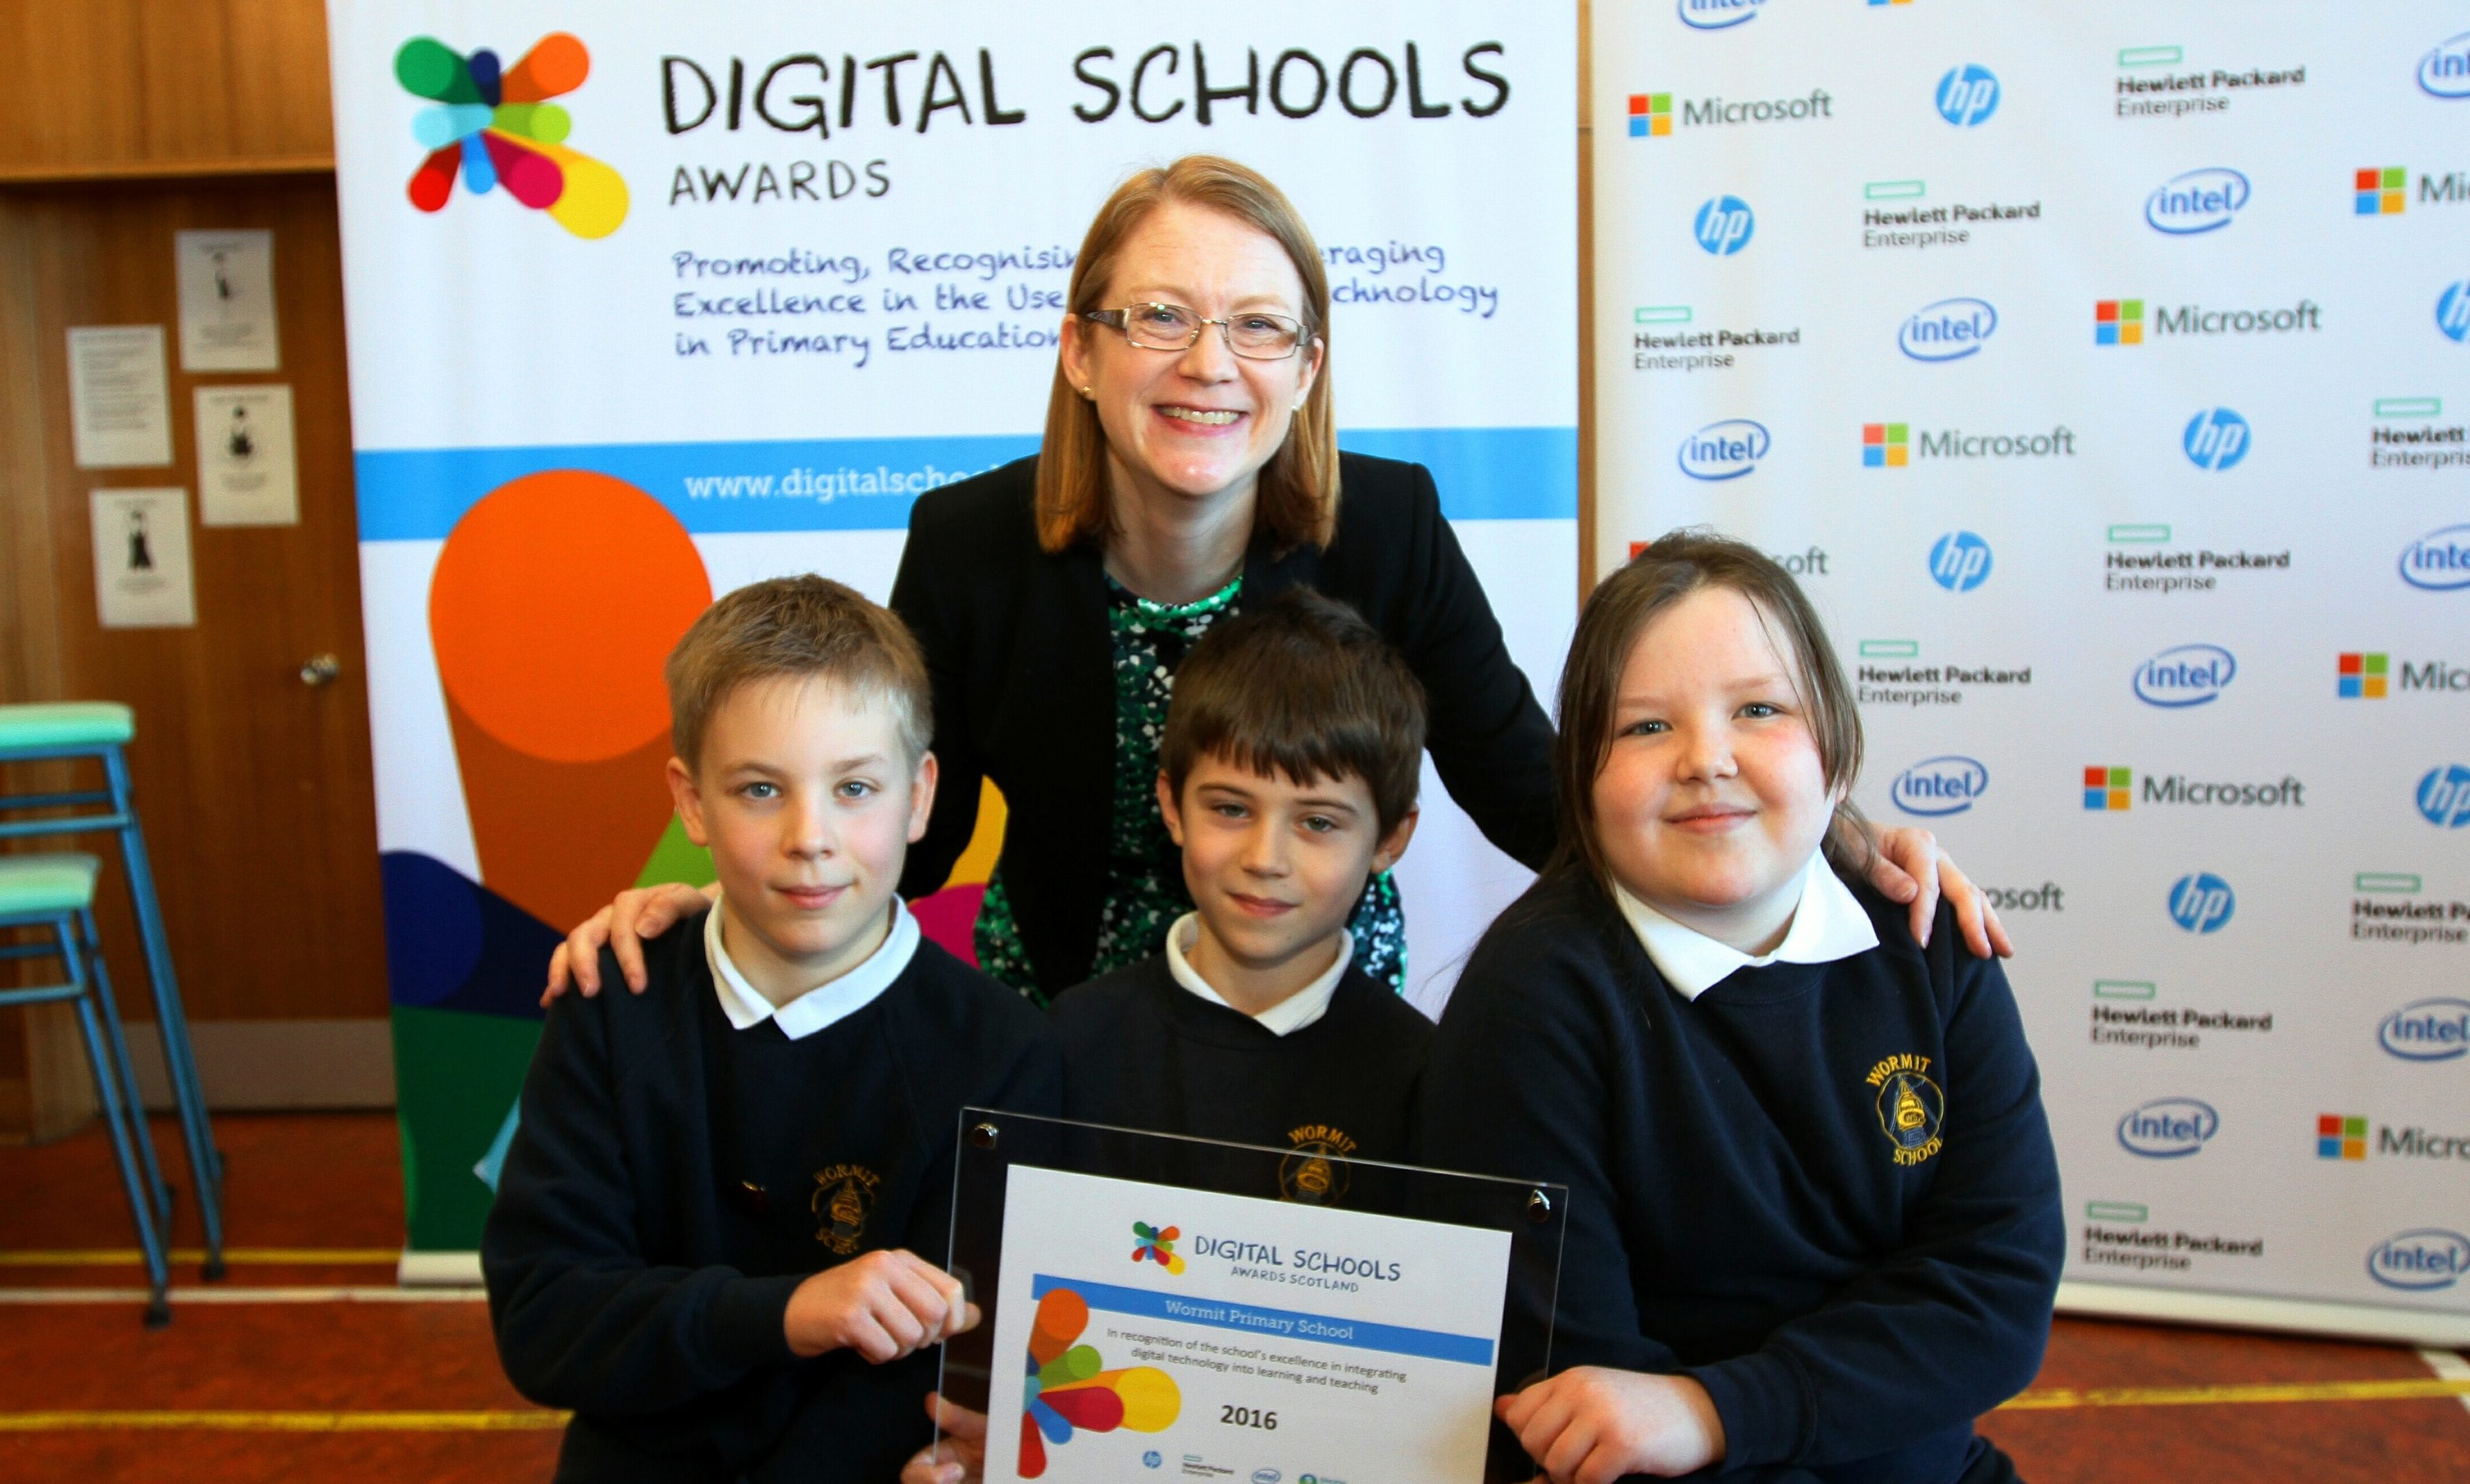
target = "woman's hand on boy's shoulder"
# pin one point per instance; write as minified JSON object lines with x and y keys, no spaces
{"x":958,"y":1456}
{"x":621,"y":927}
{"x":1907,"y":865}
{"x":1592,"y":1425}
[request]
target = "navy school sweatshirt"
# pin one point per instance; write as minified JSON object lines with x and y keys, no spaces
{"x":1827,"y":1192}
{"x":1142,"y":1051}
{"x":675,"y":1179}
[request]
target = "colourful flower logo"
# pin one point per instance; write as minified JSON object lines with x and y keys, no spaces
{"x":1158,"y":1246}
{"x":1068,"y":1389}
{"x":499,"y":128}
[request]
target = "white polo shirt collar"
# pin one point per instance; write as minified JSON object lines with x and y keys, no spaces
{"x":826,"y":1004}
{"x":1284,"y":1018}
{"x":1827,"y":925}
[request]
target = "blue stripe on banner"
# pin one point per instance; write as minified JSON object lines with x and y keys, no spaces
{"x":843,"y":484}
{"x":1275,"y":1323}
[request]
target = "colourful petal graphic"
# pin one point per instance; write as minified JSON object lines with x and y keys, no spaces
{"x":1066,"y":1391}
{"x":500,"y":130}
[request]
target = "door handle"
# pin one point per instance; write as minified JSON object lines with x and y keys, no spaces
{"x":320,"y":670}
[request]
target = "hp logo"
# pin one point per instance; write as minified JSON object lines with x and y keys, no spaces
{"x":1724,"y":226}
{"x":1968,"y":95}
{"x":2453,"y":312}
{"x":2216,"y":439}
{"x":2444,"y":797}
{"x":2202,"y":902}
{"x":1960,"y":561}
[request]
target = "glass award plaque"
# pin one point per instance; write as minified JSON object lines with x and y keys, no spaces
{"x":1164,"y":1307}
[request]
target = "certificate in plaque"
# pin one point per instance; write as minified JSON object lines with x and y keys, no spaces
{"x":1179,"y":1308}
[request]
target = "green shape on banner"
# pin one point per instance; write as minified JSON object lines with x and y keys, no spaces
{"x":1662,"y":315}
{"x":2409,"y":407}
{"x":2124,"y":989}
{"x":1891,"y":649}
{"x":1894,"y":191}
{"x":676,"y":858}
{"x":2150,"y":56}
{"x":2399,"y":882}
{"x":454,"y":1076}
{"x":2139,"y":535}
{"x":2116,"y":1211}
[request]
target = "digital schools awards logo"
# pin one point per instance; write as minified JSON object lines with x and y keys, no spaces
{"x":1157,"y":1245}
{"x":1724,"y":451}
{"x":497,"y":127}
{"x":1959,"y":562}
{"x":2202,"y":902}
{"x":1069,"y":1390}
{"x":2216,"y":439}
{"x":2196,"y":201}
{"x":1723,"y":226}
{"x":1968,"y":95}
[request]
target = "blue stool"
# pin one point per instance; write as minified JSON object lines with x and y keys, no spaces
{"x":67,"y":732}
{"x":55,"y":892}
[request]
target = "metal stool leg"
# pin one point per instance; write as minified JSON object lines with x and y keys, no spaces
{"x":179,"y":1060}
{"x":118,"y":1038}
{"x":115,"y":1116}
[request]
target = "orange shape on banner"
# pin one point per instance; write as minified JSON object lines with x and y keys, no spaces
{"x":555,"y":602}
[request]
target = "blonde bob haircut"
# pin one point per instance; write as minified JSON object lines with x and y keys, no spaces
{"x":1297,"y":501}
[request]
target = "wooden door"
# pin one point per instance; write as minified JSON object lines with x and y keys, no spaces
{"x":255,"y":787}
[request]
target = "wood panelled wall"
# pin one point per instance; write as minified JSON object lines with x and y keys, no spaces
{"x":122,"y":122}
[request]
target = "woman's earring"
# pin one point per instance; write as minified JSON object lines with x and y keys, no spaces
{"x":1088,"y":394}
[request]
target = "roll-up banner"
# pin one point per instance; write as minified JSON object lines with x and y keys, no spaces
{"x":2103,"y":371}
{"x":648,"y":302}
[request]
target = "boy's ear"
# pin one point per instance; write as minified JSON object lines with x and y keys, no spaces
{"x":687,"y":797}
{"x":1393,"y":844}
{"x":1167,"y":808}
{"x":921,"y":796}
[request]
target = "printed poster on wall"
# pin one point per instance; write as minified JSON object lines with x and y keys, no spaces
{"x":2103,"y":373}
{"x":647,"y":304}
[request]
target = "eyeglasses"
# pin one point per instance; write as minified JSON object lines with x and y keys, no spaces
{"x":1170,"y":327}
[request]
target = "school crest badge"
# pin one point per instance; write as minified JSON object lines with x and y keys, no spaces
{"x":1315,"y":1171}
{"x":1911,"y":1108}
{"x":844,"y":1198}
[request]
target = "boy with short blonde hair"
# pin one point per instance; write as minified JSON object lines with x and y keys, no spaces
{"x":706,"y":1234}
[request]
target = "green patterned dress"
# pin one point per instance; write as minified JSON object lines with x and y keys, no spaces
{"x":1144,"y":891}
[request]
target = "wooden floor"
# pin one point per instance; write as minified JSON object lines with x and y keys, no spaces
{"x":308,"y":1364}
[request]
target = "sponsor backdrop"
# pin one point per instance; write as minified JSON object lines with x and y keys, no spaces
{"x":2104,"y":372}
{"x":650,"y":302}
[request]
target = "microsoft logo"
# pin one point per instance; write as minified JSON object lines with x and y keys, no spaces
{"x":2363,"y":675}
{"x":2380,"y":191}
{"x":2340,"y":1136}
{"x":1887,"y":445}
{"x":1650,"y":116}
{"x":2108,"y":788}
{"x":2118,"y":322}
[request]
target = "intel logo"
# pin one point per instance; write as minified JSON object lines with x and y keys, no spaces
{"x":2185,"y":675}
{"x":2438,"y":561}
{"x":1938,"y":786}
{"x":1949,"y":329}
{"x":2444,"y":797}
{"x":2201,"y":201}
{"x":1267,"y":1476}
{"x":1968,"y":95}
{"x":2445,"y":71}
{"x":1959,"y":562}
{"x":1724,"y":226}
{"x":1724,"y":451}
{"x":2420,"y":1260}
{"x":2216,"y":439}
{"x":2427,"y":1030}
{"x":2168,"y":1127}
{"x":1716,"y":15}
{"x":2202,"y":902}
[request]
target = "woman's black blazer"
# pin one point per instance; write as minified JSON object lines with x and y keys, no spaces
{"x":1017,"y":645}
